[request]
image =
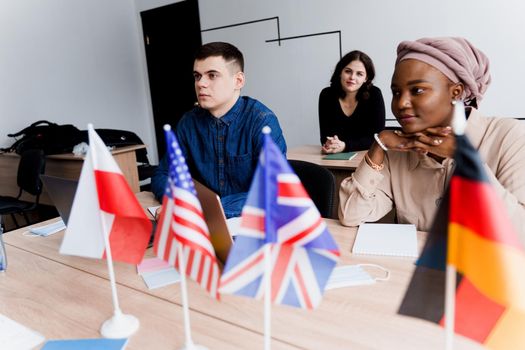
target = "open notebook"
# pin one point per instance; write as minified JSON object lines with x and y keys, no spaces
{"x":386,"y":239}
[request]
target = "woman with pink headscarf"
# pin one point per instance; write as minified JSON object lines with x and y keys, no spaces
{"x":408,"y":170}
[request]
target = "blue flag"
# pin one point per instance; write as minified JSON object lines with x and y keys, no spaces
{"x":279,"y":212}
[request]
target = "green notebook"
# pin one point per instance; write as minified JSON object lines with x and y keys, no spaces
{"x":340,"y":156}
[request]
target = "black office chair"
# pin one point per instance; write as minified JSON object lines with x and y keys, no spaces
{"x":32,"y":164}
{"x":319,"y":182}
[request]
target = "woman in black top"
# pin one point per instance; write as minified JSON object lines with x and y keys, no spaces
{"x":352,"y":109}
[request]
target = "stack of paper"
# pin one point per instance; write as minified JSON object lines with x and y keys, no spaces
{"x":157,"y":273}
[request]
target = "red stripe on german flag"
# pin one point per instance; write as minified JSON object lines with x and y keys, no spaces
{"x":475,"y":205}
{"x":476,"y":315}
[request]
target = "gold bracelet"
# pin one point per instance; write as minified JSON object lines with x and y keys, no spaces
{"x":373,"y":165}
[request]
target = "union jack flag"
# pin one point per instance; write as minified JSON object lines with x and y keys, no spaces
{"x":279,"y":212}
{"x":182,"y":222}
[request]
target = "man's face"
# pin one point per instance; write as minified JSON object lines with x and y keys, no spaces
{"x":217,"y":84}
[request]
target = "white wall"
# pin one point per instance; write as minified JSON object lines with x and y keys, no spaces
{"x":72,"y":61}
{"x":144,"y":5}
{"x":289,"y":78}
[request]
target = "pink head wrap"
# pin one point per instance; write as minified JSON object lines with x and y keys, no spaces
{"x":454,"y":57}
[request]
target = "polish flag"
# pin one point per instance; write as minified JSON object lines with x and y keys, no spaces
{"x":105,"y":206}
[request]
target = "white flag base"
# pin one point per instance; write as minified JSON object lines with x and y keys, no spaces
{"x":119,"y":326}
{"x":194,"y":347}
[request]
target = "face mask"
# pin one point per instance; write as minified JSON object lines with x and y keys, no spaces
{"x":47,"y":230}
{"x":354,"y":275}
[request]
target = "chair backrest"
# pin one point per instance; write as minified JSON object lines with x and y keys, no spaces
{"x":319,"y":182}
{"x":32,"y":164}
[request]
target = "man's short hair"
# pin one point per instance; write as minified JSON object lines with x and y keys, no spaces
{"x":230,"y":53}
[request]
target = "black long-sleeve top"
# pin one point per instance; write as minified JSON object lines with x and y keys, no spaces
{"x":356,"y":130}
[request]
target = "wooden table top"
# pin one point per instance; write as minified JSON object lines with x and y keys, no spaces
{"x":363,"y":317}
{"x":312,"y":154}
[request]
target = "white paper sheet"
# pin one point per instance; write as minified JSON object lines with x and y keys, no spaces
{"x":14,"y":336}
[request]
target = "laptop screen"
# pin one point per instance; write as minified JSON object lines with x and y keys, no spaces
{"x":220,"y":237}
{"x":62,"y":192}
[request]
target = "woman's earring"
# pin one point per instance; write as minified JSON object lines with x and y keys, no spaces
{"x":453,"y":102}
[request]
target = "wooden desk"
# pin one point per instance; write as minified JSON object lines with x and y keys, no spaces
{"x":64,"y":302}
{"x":363,"y":317}
{"x":67,"y":166}
{"x":340,"y":168}
{"x":312,"y":154}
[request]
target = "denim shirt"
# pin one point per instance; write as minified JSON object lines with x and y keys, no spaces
{"x":222,"y":153}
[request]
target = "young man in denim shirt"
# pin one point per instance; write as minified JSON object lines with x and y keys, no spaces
{"x":221,"y":137}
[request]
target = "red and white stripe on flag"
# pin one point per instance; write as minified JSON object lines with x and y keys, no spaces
{"x":182,"y":222}
{"x":105,"y":205}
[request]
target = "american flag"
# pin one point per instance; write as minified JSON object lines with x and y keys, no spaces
{"x":182,"y":222}
{"x":279,"y":212}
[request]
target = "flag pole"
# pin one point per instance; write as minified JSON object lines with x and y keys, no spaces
{"x":120,"y":325}
{"x":266,"y":130}
{"x":189,"y":344}
{"x":459,"y":123}
{"x":450,"y":306}
{"x":267,"y":296}
{"x":184,"y":293}
{"x":185,"y":310}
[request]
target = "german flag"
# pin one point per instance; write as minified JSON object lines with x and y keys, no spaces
{"x":473,"y":233}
